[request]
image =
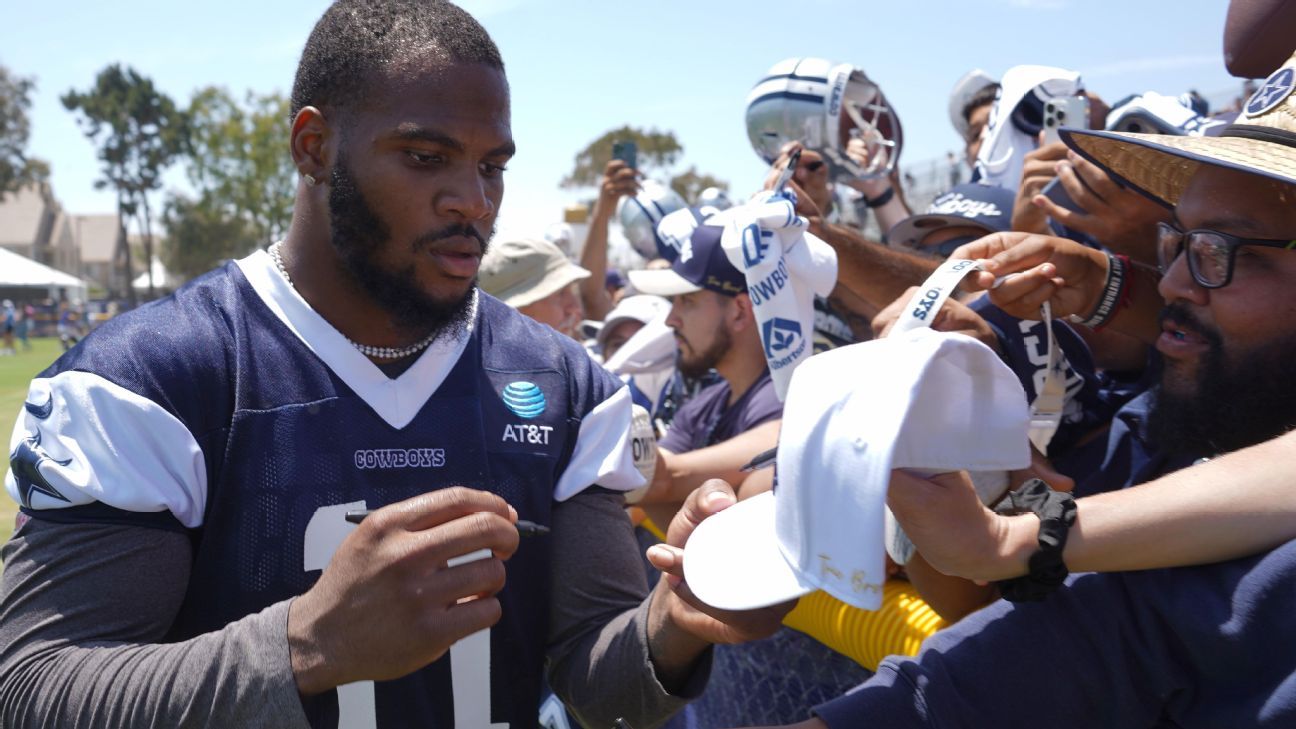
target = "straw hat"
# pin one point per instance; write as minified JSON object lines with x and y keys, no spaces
{"x":1261,"y":141}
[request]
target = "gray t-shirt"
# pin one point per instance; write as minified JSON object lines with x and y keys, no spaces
{"x":84,"y":608}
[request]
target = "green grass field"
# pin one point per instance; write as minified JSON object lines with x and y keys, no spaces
{"x":15,"y":373}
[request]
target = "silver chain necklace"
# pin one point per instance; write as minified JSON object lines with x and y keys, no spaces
{"x":365,"y":349}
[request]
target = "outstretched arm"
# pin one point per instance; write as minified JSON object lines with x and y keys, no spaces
{"x":618,"y":179}
{"x":1071,"y":277}
{"x":1238,"y":504}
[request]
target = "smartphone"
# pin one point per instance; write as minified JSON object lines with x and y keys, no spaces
{"x":1070,"y":111}
{"x":627,"y":151}
{"x":1058,"y":194}
{"x":790,"y":169}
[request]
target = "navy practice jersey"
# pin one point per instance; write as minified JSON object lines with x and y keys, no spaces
{"x":234,"y":413}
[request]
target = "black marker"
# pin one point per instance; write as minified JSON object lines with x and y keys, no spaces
{"x":525,"y":528}
{"x":762,"y":460}
{"x":788,"y":171}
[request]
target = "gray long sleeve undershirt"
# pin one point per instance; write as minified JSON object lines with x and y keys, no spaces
{"x":83,"y":606}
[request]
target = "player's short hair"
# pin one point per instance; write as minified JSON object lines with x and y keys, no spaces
{"x":356,"y":39}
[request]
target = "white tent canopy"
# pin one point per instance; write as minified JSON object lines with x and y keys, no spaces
{"x":162,"y":279}
{"x":22,"y":272}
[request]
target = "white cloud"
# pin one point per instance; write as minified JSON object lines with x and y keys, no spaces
{"x":1163,"y":63}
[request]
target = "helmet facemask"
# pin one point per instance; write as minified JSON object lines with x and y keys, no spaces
{"x":865,"y":115}
{"x":824,"y":106}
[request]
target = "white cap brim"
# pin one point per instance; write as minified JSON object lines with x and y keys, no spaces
{"x":662,"y":282}
{"x":733,"y":560}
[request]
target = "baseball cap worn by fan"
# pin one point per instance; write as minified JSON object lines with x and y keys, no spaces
{"x":702,"y":264}
{"x":926,"y":400}
{"x":961,"y":95}
{"x":1261,"y":141}
{"x":525,"y":270}
{"x":985,"y":207}
{"x":642,"y":308}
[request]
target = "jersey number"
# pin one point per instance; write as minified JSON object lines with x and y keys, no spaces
{"x":469,"y":658}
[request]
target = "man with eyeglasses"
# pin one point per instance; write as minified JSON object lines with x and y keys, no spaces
{"x":1203,"y":646}
{"x":1218,"y":308}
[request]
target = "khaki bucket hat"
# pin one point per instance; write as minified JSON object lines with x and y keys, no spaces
{"x":523,"y":271}
{"x":1261,"y":141}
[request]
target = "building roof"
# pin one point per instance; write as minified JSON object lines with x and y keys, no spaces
{"x":98,"y":236}
{"x":21,"y":215}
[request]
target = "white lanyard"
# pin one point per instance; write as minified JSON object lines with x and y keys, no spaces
{"x":1046,"y":409}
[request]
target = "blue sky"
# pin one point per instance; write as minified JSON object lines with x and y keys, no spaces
{"x":578,"y":68}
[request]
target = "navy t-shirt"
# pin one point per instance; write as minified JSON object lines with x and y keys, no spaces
{"x":707,"y":419}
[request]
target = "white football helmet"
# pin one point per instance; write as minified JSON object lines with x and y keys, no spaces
{"x":639,"y":216}
{"x":561,"y":235}
{"x":824,"y":105}
{"x":716,"y":198}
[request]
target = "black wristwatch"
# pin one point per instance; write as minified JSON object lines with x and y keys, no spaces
{"x":1057,"y":512}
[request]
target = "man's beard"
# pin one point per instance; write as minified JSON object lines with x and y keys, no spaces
{"x":358,"y":235}
{"x":1234,"y":404}
{"x":706,"y":360}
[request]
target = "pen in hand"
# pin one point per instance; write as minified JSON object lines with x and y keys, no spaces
{"x":525,"y":528}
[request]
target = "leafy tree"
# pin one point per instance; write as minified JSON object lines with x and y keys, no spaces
{"x":16,"y":168}
{"x":690,"y":183}
{"x":239,"y":159}
{"x":657,"y":154}
{"x":139,"y":132}
{"x":201,"y":234}
{"x":656,"y":150}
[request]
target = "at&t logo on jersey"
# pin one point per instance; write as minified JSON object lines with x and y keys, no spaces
{"x":400,"y":458}
{"x":522,"y":433}
{"x":524,"y":399}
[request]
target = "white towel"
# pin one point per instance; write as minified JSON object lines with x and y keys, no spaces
{"x":647,"y":359}
{"x":786,"y":267}
{"x":1004,"y":148}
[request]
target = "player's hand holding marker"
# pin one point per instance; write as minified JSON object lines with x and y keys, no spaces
{"x":388,"y":603}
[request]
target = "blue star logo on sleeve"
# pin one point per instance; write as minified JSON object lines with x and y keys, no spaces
{"x":25,"y":462}
{"x":1276,"y":88}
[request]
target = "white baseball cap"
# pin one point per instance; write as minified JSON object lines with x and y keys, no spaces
{"x":964,"y":89}
{"x":642,"y":308}
{"x":926,"y":400}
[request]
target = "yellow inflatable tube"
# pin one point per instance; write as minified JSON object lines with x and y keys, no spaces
{"x":897,"y":628}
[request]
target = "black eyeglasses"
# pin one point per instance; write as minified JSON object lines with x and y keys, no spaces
{"x":1210,"y":252}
